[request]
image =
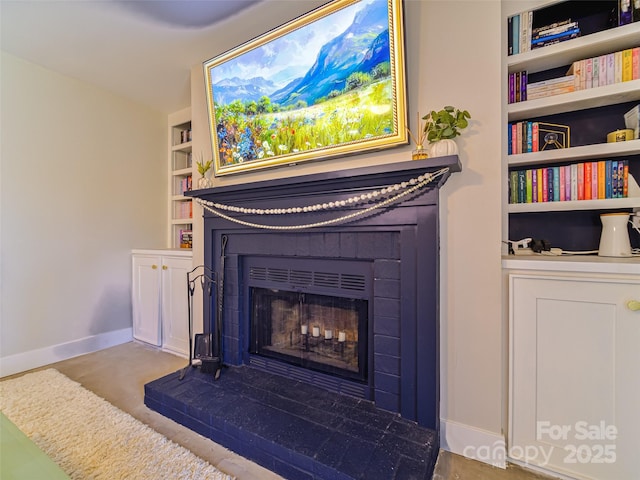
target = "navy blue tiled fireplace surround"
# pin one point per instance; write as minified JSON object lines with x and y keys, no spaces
{"x":303,"y":422}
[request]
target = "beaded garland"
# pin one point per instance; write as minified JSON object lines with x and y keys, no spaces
{"x":407,"y":188}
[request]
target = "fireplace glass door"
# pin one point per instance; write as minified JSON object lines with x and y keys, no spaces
{"x":320,"y":332}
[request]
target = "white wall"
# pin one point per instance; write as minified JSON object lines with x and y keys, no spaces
{"x":453,"y":57}
{"x":83,"y":175}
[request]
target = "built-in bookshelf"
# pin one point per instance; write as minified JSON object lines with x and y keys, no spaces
{"x":180,"y":179}
{"x":589,"y":115}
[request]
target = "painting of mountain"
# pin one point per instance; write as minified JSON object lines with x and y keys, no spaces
{"x":322,"y":84}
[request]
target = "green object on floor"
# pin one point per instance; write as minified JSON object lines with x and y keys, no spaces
{"x":21,"y":459}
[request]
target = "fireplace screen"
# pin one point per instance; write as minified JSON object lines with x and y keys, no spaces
{"x":320,"y":332}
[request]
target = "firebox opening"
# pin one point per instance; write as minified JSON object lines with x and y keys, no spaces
{"x":320,"y":332}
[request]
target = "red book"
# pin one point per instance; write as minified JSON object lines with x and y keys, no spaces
{"x":625,"y":180}
{"x":635,"y":63}
{"x":587,"y":180}
{"x":563,"y":190}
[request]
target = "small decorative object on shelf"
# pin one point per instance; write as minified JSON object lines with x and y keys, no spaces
{"x":442,"y":127}
{"x":420,"y":153}
{"x":203,"y":168}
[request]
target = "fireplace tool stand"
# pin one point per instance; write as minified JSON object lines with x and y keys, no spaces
{"x":202,"y":353}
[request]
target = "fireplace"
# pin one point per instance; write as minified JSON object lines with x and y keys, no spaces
{"x":351,"y":307}
{"x":329,"y":327}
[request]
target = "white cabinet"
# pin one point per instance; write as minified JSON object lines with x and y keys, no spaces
{"x":159,"y":298}
{"x":575,"y":373}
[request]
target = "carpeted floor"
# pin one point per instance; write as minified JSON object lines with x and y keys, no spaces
{"x":91,"y":439}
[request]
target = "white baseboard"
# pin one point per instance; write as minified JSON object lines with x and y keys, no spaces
{"x":21,"y":362}
{"x":474,"y":443}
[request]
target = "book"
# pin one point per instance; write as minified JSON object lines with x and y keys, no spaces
{"x":625,"y":179}
{"x":510,"y":36}
{"x":611,"y":68}
{"x":635,"y":63}
{"x":602,"y":73}
{"x":601,"y":179}
{"x":627,"y":65}
{"x":588,"y":73}
{"x":595,"y":72}
{"x":516,"y":34}
{"x":625,"y":13}
{"x":540,"y":195}
{"x":513,"y":186}
{"x":617,"y":76}
{"x":580,"y":175}
{"x":587,"y":181}
{"x":594,"y":180}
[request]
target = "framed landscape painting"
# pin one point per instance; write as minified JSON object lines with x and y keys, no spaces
{"x":327,"y":84}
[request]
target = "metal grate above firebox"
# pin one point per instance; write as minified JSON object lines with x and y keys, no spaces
{"x":309,"y":278}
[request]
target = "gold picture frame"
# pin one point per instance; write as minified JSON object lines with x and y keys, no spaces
{"x":328,"y":84}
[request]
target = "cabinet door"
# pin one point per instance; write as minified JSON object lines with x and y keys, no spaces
{"x":146,"y":298}
{"x":575,"y":375}
{"x":175,"y":318}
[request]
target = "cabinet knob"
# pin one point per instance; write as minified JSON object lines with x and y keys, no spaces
{"x":154,"y":266}
{"x":633,"y":305}
{"x":164,"y":267}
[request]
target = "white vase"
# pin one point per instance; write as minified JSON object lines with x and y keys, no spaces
{"x":204,"y":182}
{"x":442,"y":148}
{"x":614,"y":240}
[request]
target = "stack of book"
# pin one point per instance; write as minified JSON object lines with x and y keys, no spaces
{"x":186,"y":239}
{"x":596,"y":180}
{"x":554,"y":33}
{"x":522,"y":37}
{"x":548,"y":88}
{"x":183,"y":210}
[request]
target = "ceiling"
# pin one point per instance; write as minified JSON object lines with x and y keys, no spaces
{"x":140,"y":49}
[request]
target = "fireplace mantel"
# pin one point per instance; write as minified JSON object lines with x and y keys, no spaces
{"x":329,"y":182}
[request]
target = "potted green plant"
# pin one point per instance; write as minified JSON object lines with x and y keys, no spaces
{"x":442,"y":127}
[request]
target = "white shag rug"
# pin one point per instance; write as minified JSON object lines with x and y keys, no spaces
{"x":91,"y":439}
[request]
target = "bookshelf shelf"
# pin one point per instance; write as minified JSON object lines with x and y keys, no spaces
{"x":182,"y":172}
{"x":182,"y":147}
{"x":580,"y":100}
{"x":585,"y":152}
{"x":606,"y":204}
{"x":565,"y":53}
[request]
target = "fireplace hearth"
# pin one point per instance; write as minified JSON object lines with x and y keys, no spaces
{"x":350,"y":309}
